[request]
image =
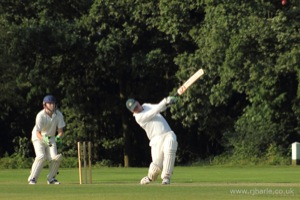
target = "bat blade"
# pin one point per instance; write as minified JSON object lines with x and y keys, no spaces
{"x":190,"y":81}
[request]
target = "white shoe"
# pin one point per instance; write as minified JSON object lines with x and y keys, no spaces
{"x":53,"y":181}
{"x":145,"y":180}
{"x":166,"y":181}
{"x":32,"y":181}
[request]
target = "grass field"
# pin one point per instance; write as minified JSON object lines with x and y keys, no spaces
{"x":207,"y":182}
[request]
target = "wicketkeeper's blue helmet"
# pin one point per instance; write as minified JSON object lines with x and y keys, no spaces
{"x":49,"y":99}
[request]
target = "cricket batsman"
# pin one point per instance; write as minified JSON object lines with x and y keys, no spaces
{"x":163,"y":140}
{"x":45,"y":140}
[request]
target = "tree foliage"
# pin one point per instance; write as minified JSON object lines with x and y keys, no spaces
{"x":93,"y":55}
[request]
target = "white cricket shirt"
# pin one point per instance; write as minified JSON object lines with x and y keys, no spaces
{"x":47,"y":125}
{"x":151,"y":120}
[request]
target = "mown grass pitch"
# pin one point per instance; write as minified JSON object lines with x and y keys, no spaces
{"x":206,"y":182}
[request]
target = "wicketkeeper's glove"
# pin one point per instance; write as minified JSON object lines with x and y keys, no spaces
{"x":58,"y":141}
{"x":171,"y":100}
{"x":46,"y":140}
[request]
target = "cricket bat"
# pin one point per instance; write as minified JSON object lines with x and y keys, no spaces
{"x":190,"y":81}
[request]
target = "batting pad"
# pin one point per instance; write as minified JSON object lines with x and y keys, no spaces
{"x":153,"y":172}
{"x":170,"y":148}
{"x":53,"y":166}
{"x":37,"y":167}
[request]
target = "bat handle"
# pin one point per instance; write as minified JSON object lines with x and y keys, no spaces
{"x":175,"y":94}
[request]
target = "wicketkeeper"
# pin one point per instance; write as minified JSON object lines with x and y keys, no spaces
{"x":45,"y":140}
{"x":163,"y":141}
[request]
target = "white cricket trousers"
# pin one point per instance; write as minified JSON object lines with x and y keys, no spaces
{"x":42,"y":153}
{"x":163,"y":152}
{"x":43,"y":150}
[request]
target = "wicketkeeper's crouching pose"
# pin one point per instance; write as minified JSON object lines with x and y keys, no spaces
{"x":163,"y":141}
{"x":45,"y":142}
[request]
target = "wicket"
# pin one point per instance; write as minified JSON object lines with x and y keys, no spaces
{"x":82,"y":156}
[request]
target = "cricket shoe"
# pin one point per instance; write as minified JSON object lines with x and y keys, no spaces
{"x":53,"y":182}
{"x":145,"y":180}
{"x":32,"y":181}
{"x":165,"y":181}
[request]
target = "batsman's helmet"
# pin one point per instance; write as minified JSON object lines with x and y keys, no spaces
{"x":49,"y":99}
{"x":131,"y":104}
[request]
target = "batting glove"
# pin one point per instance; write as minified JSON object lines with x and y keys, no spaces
{"x":46,"y":140}
{"x":58,"y":141}
{"x":171,"y":100}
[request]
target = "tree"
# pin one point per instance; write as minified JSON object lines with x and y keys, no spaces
{"x":251,"y":46}
{"x":93,"y":55}
{"x":129,"y":54}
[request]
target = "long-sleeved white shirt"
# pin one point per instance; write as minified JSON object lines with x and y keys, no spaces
{"x":151,"y":120}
